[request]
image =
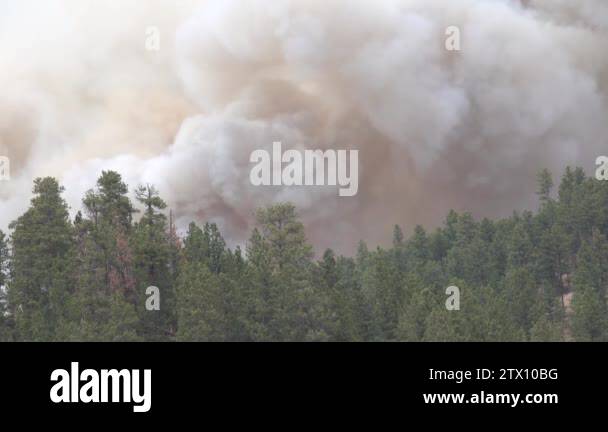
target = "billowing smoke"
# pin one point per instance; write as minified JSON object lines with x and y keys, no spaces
{"x":80,"y":92}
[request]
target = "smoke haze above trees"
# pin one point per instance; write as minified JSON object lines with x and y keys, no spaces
{"x":435,"y":130}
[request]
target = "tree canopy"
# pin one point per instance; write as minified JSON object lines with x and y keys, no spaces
{"x":534,"y":276}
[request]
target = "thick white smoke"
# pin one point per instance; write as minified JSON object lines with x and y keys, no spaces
{"x":435,"y":129}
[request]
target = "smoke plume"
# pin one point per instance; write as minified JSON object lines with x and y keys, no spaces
{"x":435,"y":129}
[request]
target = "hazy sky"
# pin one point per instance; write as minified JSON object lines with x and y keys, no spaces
{"x":435,"y":129}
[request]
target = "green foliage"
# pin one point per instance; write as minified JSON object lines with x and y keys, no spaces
{"x":201,"y":314}
{"x":106,"y":284}
{"x":545,"y":185}
{"x":285,"y":303}
{"x":42,"y":264}
{"x":152,"y":252}
{"x":530,"y":277}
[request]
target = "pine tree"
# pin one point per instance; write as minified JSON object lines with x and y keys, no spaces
{"x":413,"y":317}
{"x":418,"y":247}
{"x":545,"y":185}
{"x":397,"y":237}
{"x":520,"y":247}
{"x":521,"y":295}
{"x":42,"y":283}
{"x":351,"y":314}
{"x":206,"y":245}
{"x":151,"y":244}
{"x":290,"y":307}
{"x":546,"y":330}
{"x":106,"y":298}
{"x":386,"y":292}
{"x":590,"y":310}
{"x":200,"y":308}
{"x":328,"y":269}
{"x":592,"y":264}
{"x":589,"y":320}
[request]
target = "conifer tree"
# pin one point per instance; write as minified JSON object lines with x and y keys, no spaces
{"x":590,"y":310}
{"x":200,"y":309}
{"x":545,"y":185}
{"x":291,"y":307}
{"x":42,"y":284}
{"x":151,"y":244}
{"x":106,"y":297}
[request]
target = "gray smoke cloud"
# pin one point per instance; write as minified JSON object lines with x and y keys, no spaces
{"x":435,"y":129}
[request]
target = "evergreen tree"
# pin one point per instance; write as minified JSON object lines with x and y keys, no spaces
{"x":200,"y":310}
{"x":386,"y":293}
{"x":546,"y":330}
{"x":289,"y":306}
{"x":589,"y":323}
{"x":590,"y":311}
{"x":545,"y":184}
{"x":152,"y":246}
{"x":106,"y":299}
{"x":42,"y":284}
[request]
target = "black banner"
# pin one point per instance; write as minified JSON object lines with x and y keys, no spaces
{"x":226,"y":382}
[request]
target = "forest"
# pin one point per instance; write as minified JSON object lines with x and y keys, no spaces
{"x":534,"y":276}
